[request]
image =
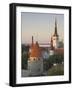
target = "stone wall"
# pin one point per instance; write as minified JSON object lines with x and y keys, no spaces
{"x":35,"y":67}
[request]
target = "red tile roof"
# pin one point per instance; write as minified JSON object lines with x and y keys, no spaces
{"x":35,"y":50}
{"x":59,"y":51}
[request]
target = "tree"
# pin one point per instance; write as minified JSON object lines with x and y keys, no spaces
{"x":56,"y":58}
{"x":56,"y":70}
{"x":24,"y":60}
{"x":53,"y":59}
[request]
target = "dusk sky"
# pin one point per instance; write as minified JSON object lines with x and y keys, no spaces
{"x":41,"y":26}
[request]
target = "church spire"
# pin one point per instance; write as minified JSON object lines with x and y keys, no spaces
{"x":55,"y":33}
{"x":32,"y":40}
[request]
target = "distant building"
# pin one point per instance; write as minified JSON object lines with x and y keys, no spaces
{"x":59,"y":51}
{"x":45,"y":52}
{"x":55,"y":37}
{"x":51,"y":48}
{"x":35,"y":61}
{"x":34,"y":51}
{"x":54,"y":49}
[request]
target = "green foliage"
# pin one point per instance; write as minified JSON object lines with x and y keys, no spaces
{"x":25,"y":48}
{"x":24,"y":56}
{"x":24,"y":60}
{"x":46,"y":65}
{"x":56,"y":58}
{"x":56,"y":70}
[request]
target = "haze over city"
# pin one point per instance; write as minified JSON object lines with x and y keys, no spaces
{"x":41,"y":26}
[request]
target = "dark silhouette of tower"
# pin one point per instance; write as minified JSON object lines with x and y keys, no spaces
{"x":55,"y":33}
{"x":32,"y":40}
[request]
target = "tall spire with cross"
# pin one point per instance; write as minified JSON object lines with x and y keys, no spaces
{"x":55,"y":37}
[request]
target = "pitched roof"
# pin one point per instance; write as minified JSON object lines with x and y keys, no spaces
{"x":59,"y":50}
{"x":35,"y":50}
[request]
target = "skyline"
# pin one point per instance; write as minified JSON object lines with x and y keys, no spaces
{"x":41,"y":26}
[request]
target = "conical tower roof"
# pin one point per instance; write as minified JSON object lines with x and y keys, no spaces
{"x":35,"y":50}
